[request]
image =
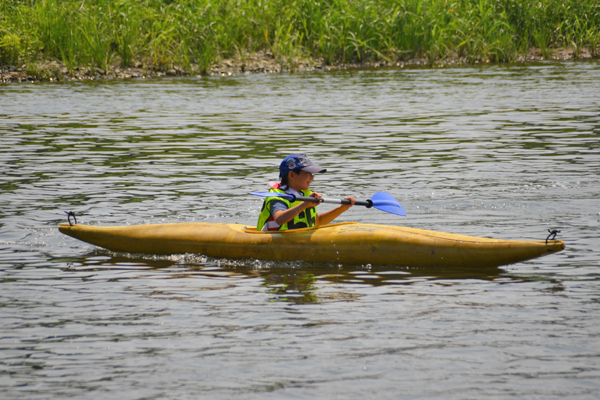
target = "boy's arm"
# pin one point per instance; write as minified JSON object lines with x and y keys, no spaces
{"x":328,"y":216}
{"x":281,"y":216}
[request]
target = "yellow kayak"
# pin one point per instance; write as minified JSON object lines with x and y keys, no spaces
{"x":345,"y":243}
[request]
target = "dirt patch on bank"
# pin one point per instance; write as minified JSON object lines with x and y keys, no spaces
{"x":260,"y":62}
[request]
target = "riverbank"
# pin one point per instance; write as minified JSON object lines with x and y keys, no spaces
{"x":99,"y":39}
{"x":258,"y":63}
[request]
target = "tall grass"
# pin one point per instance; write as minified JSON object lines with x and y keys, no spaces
{"x":195,"y":34}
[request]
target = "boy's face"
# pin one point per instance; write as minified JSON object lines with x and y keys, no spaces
{"x":301,"y":180}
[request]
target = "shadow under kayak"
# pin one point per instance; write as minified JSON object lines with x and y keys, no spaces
{"x":345,"y":243}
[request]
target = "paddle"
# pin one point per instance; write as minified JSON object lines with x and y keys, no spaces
{"x":381,"y":200}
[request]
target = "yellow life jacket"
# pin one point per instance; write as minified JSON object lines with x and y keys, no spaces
{"x":305,"y":219}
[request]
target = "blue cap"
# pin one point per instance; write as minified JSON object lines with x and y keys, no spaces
{"x":295,"y":162}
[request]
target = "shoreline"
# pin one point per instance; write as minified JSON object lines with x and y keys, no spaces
{"x":255,"y":63}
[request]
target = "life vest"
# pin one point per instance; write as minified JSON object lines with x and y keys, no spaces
{"x":306,"y":218}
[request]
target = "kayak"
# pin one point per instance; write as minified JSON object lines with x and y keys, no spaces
{"x":343,"y":243}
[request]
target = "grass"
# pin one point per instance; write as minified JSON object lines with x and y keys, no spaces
{"x":195,"y":34}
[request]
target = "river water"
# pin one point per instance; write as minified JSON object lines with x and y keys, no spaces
{"x":497,"y":151}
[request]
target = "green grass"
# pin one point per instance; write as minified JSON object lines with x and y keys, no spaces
{"x":195,"y":34}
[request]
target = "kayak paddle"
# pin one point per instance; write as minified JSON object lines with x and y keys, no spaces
{"x":381,"y":200}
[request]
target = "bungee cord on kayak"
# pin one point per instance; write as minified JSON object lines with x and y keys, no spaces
{"x":69,"y":215}
{"x":553,"y":233}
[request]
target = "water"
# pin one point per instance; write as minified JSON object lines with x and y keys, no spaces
{"x":495,"y":151}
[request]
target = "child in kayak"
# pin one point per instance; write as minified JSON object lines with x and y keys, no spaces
{"x":277,"y":213}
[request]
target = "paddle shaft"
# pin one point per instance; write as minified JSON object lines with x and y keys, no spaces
{"x":367,"y":203}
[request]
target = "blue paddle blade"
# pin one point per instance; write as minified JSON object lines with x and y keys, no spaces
{"x":386,"y":202}
{"x":273,"y":194}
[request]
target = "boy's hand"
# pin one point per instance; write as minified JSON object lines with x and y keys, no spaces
{"x":317,"y":196}
{"x":347,"y":206}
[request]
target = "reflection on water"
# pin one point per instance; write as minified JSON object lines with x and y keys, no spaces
{"x":298,"y":288}
{"x":293,"y":282}
{"x":503,"y":151}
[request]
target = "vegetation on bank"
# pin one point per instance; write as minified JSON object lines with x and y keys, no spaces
{"x":195,"y":34}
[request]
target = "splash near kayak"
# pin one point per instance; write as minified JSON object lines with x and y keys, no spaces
{"x":344,"y":243}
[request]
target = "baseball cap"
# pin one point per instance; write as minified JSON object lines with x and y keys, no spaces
{"x":298,"y":162}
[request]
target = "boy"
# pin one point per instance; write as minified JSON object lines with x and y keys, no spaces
{"x":277,"y":213}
